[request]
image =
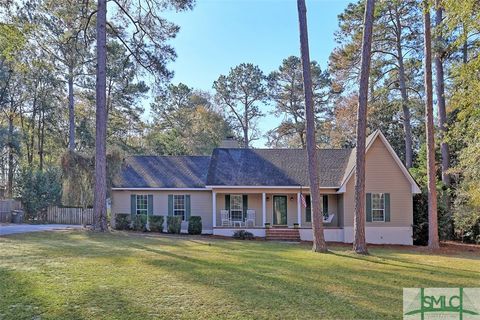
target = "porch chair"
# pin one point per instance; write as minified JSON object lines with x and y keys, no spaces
{"x":250,"y":217}
{"x":225,"y":218}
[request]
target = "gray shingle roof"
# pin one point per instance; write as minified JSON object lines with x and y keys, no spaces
{"x":232,"y":167}
{"x":163,"y":172}
{"x":236,"y":167}
{"x":274,"y":167}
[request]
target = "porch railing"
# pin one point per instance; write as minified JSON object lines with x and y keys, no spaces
{"x":232,"y":220}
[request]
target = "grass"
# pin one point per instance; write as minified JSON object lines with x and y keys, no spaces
{"x":82,"y":275}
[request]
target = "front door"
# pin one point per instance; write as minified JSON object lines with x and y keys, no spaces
{"x":280,"y":210}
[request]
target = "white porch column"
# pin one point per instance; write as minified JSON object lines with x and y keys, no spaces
{"x":299,"y":209}
{"x":264,"y":209}
{"x":214,"y":209}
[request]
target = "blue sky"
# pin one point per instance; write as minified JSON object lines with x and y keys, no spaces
{"x":220,"y":34}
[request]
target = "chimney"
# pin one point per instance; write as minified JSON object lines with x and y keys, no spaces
{"x":229,"y":142}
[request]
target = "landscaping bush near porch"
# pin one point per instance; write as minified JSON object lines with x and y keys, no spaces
{"x":122,"y":221}
{"x":243,"y":235}
{"x":139,"y":222}
{"x":155,"y":223}
{"x":195,"y":225}
{"x":174,"y":224}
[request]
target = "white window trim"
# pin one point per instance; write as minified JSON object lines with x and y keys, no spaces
{"x":136,"y":204}
{"x":184,"y":206}
{"x":380,"y":193}
{"x":241,"y":206}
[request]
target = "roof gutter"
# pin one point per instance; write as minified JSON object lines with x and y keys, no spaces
{"x":266,"y":187}
{"x":159,"y":189}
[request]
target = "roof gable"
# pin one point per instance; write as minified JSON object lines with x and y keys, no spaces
{"x":350,"y":168}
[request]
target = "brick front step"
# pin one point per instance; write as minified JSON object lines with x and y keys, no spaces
{"x":283,"y":234}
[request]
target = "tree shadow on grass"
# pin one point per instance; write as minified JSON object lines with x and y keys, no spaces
{"x":388,"y":260}
{"x":16,"y":298}
{"x":427,"y":255}
{"x":277,"y":294}
{"x":100,"y":302}
{"x":282,"y":277}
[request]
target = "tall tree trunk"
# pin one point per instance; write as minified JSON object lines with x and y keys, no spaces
{"x":100,"y":209}
{"x":31,"y":144}
{"x":41,"y":138}
{"x":407,"y":127}
{"x":359,"y":243}
{"x":71,"y":112}
{"x":465,"y":46}
{"x":319,"y":244}
{"x":246,"y":138}
{"x":302,"y":139}
{"x":11,"y":163}
{"x":440,"y":88}
{"x":433,"y":242}
{"x":442,"y":113}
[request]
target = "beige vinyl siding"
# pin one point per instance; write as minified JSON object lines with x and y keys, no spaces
{"x":201,"y":203}
{"x":341,"y":210}
{"x":383,"y":175}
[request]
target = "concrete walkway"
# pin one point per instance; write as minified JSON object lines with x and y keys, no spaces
{"x":25,"y":228}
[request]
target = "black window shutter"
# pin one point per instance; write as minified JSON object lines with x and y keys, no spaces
{"x":227,"y":202}
{"x":150,"y":204}
{"x":133,"y":205}
{"x":369,"y":207}
{"x":387,"y":207}
{"x":245,"y":205}
{"x":325,"y":205}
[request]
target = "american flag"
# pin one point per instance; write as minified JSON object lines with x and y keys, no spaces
{"x":304,"y":202}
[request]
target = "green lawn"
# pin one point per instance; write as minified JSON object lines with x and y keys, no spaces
{"x":81,"y":275}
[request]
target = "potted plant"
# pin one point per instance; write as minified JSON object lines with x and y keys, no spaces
{"x":267,"y":225}
{"x":296,"y":225}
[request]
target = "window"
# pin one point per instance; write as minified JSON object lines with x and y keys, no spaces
{"x":179,"y":205}
{"x":142,"y":204}
{"x":236,"y":207}
{"x":323,"y":207}
{"x":378,"y":207}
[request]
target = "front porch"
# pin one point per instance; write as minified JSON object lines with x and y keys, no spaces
{"x":256,"y":210}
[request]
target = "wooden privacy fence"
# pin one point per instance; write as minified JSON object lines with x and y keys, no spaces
{"x":6,"y":208}
{"x":64,"y":215}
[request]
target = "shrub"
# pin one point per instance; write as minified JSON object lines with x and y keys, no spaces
{"x":122,"y":221}
{"x":156,"y":223}
{"x":38,"y":190}
{"x":174,"y":224}
{"x":243,"y":235}
{"x":139,"y":222}
{"x":195,"y":225}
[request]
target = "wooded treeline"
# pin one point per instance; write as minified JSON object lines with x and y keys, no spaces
{"x":48,"y":103}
